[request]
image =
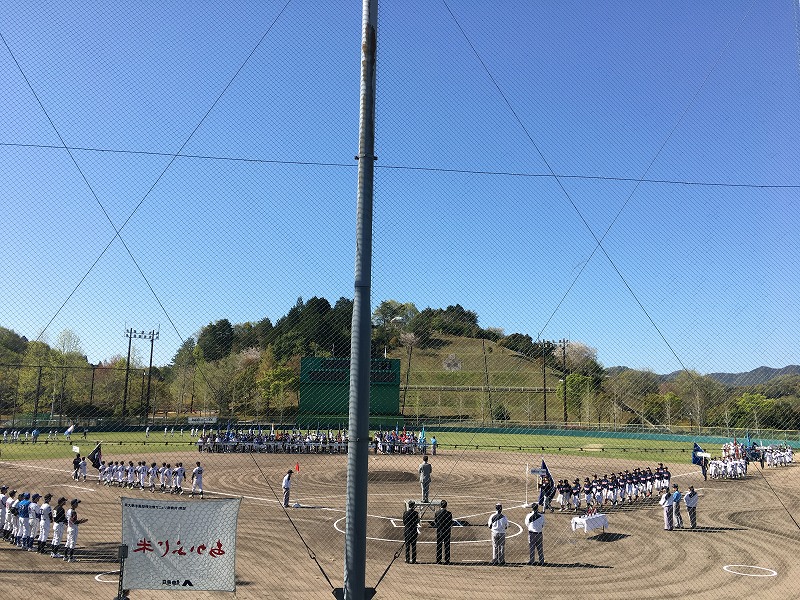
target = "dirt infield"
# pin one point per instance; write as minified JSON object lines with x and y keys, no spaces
{"x":745,"y":544}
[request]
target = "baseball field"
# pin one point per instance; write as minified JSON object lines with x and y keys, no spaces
{"x":745,"y":544}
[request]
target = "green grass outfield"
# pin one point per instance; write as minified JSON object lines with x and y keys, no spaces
{"x":632,"y":448}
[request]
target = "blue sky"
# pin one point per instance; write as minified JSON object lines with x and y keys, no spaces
{"x":478,"y":105}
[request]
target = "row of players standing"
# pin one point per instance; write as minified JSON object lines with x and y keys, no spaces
{"x":24,"y":521}
{"x":624,"y":486}
{"x":170,"y":479}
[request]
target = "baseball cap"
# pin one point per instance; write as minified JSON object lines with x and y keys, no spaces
{"x":498,"y":506}
{"x":62,"y":499}
{"x":74,"y":501}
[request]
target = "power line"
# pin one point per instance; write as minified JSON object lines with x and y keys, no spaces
{"x":313,"y":163}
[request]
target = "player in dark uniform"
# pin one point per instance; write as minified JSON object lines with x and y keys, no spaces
{"x":576,"y":494}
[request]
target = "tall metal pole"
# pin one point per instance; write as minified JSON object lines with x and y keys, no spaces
{"x":129,"y":333}
{"x":355,"y":549}
{"x":544,"y":389}
{"x":153,"y":335}
{"x":38,"y":394}
{"x":564,"y":343}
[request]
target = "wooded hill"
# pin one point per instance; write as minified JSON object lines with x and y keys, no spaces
{"x":450,"y":369}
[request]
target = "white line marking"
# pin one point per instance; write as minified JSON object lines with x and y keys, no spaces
{"x":99,"y":576}
{"x":731,"y":569}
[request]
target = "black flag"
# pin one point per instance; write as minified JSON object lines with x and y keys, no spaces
{"x":95,"y":457}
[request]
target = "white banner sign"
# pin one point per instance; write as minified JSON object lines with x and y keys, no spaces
{"x":174,"y":545}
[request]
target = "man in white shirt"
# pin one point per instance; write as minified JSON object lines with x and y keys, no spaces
{"x":287,"y":484}
{"x":535,"y":523}
{"x":666,"y":502}
{"x":498,"y":523}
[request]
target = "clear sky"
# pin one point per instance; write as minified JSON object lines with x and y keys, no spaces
{"x":479,"y":105}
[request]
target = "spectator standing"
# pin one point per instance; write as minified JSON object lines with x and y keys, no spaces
{"x":443,"y":520}
{"x":535,"y":524}
{"x":690,"y":499}
{"x":410,"y":532}
{"x":425,"y":469}
{"x":498,"y":523}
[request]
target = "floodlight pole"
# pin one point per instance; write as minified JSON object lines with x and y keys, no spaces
{"x":355,"y":549}
{"x":130,"y":334}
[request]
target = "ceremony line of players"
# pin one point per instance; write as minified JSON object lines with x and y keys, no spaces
{"x":24,"y":521}
{"x":168,"y":478}
{"x":630,"y":486}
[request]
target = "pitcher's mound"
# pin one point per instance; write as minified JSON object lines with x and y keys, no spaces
{"x":391,"y":477}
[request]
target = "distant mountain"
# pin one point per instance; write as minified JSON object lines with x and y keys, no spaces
{"x":754,"y":377}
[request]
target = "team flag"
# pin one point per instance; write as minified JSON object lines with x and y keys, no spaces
{"x":95,"y":456}
{"x":70,"y":429}
{"x":546,"y":471}
{"x":696,"y":459}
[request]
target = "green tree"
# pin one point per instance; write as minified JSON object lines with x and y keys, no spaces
{"x":215,"y":340}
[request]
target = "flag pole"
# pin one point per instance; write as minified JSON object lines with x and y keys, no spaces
{"x":527,"y":477}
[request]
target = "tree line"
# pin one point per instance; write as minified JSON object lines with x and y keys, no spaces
{"x":251,"y":371}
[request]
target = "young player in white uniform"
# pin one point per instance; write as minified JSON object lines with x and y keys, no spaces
{"x":59,"y":522}
{"x":197,"y":480}
{"x":152,"y":476}
{"x":72,"y":531}
{"x":179,"y":475}
{"x":130,"y":475}
{"x":46,"y":516}
{"x":34,"y":516}
{"x":3,"y":499}
{"x":167,"y":486}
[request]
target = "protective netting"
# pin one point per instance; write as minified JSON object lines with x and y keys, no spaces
{"x":583,"y":299}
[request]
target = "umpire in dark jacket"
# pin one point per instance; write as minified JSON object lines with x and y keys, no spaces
{"x":410,"y":533}
{"x":443,"y":520}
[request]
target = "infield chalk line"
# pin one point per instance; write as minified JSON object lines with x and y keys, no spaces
{"x":731,"y":569}
{"x":99,"y":576}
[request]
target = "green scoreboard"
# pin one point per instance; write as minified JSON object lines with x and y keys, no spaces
{"x":325,"y":386}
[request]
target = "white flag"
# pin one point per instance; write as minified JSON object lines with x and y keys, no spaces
{"x":174,"y":545}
